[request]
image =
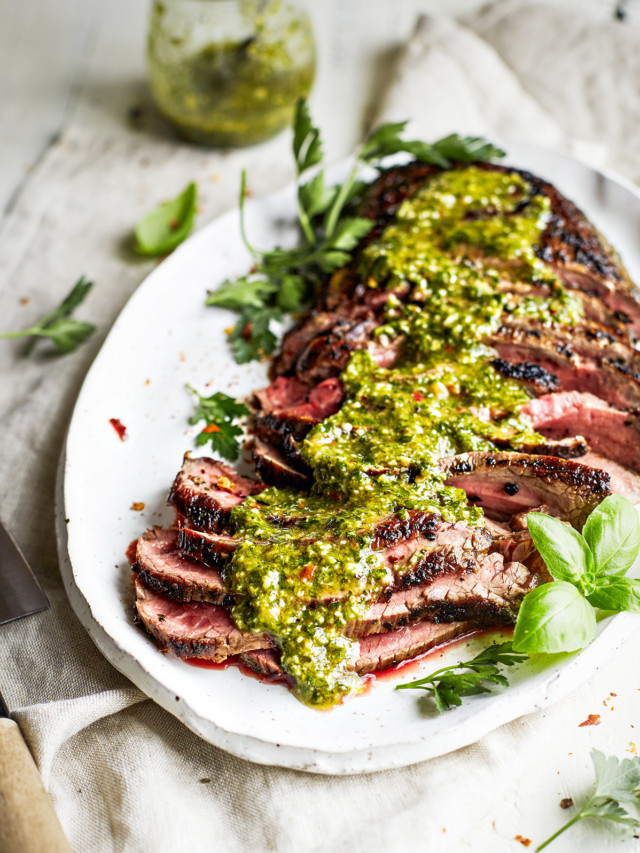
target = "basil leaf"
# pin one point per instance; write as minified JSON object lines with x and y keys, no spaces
{"x":553,"y":618}
{"x":564,"y":551}
{"x":612,"y":532}
{"x":616,"y":593}
{"x":162,"y":229}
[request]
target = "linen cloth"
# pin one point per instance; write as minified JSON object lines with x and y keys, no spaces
{"x":123,"y":774}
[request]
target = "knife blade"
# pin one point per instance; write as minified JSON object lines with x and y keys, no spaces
{"x":20,"y":593}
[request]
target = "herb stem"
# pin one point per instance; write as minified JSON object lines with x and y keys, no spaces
{"x":559,"y":832}
{"x":338,"y":204}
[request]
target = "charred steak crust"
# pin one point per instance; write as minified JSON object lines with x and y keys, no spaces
{"x":205,"y":491}
{"x":506,"y":483}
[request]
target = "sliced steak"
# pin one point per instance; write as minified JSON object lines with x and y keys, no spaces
{"x":571,"y":245}
{"x":597,"y":365}
{"x":205,"y":491}
{"x":193,"y":629}
{"x":163,"y":568}
{"x":622,"y":481}
{"x":423,"y":547}
{"x":507,"y":483}
{"x":275,"y":469}
{"x":536,"y":379}
{"x":327,"y":354}
{"x":379,"y":651}
{"x":610,"y":432}
{"x":288,"y":407}
{"x":212,"y":549}
{"x":491,"y":595}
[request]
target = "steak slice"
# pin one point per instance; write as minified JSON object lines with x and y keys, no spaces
{"x":205,"y":491}
{"x":580,"y":361}
{"x":275,"y":469}
{"x":490,"y":595}
{"x":163,"y":568}
{"x":378,"y":651}
{"x":288,"y":407}
{"x":610,"y":432}
{"x":504,"y":484}
{"x":194,"y":629}
{"x":212,"y":549}
{"x":622,"y":481}
{"x":536,"y":379}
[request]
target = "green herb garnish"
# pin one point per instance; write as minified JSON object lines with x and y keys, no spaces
{"x":589,"y":572}
{"x":162,"y":229}
{"x":449,"y":684}
{"x":617,"y":785}
{"x":284,"y":280}
{"x":59,"y":326}
{"x":220,"y":413}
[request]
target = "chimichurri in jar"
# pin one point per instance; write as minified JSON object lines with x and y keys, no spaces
{"x":228,"y":73}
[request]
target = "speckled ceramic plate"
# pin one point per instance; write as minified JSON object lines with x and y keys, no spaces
{"x":164,"y":338}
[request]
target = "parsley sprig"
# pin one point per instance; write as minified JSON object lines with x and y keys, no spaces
{"x":220,"y":414}
{"x":449,"y":684}
{"x":284,"y":280}
{"x":617,"y":785}
{"x":59,"y":326}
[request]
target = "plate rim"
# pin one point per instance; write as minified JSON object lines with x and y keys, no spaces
{"x":328,"y":762}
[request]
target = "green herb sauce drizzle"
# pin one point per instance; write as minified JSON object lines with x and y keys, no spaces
{"x":306,"y":566}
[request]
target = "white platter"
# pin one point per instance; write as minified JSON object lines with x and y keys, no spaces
{"x":164,"y":338}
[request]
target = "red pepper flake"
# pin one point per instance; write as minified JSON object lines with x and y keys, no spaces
{"x":25,"y":300}
{"x":119,"y":427}
{"x":418,"y":396}
{"x":566,"y":803}
{"x":131,"y":551}
{"x":174,"y":225}
{"x":138,"y":506}
{"x":211,"y":428}
{"x":246,"y":332}
{"x":308,"y":572}
{"x":524,"y":841}
{"x":592,"y":720}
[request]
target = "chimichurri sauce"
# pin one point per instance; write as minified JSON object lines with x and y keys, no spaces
{"x":306,"y":565}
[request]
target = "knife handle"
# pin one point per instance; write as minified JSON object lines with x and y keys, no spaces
{"x":28,"y":822}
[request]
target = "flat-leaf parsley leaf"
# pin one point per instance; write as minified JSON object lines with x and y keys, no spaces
{"x":59,"y":326}
{"x":220,"y":414}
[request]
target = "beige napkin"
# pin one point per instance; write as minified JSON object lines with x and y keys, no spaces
{"x":124,"y":774}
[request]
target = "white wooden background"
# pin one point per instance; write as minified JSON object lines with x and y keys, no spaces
{"x":50,"y":52}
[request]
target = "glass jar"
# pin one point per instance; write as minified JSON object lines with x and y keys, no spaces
{"x":228,"y":73}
